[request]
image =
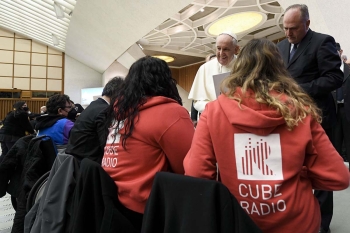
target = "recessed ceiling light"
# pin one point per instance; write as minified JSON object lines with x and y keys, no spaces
{"x":165,"y":58}
{"x":202,"y":10}
{"x":236,"y":23}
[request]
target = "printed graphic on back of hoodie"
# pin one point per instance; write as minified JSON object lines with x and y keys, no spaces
{"x":258,"y":157}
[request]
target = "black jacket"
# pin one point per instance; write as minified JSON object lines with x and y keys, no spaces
{"x":96,"y":205}
{"x":46,"y":121}
{"x":11,"y":167}
{"x":54,"y":211}
{"x":88,"y":135}
{"x":35,"y":165}
{"x":16,"y":124}
{"x":179,"y":203}
{"x":316,"y":68}
{"x":346,"y":91}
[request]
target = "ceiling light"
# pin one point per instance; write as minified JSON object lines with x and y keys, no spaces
{"x":58,"y":10}
{"x":202,"y":10}
{"x":55,"y":40}
{"x":236,"y":23}
{"x":165,"y":58}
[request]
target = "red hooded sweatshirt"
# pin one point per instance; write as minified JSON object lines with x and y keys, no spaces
{"x":270,"y":170}
{"x":161,"y":138}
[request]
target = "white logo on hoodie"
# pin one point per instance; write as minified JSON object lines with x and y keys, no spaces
{"x":258,"y":157}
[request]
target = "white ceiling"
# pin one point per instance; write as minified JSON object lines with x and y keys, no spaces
{"x":36,"y":19}
{"x":101,"y":31}
{"x":186,"y":31}
{"x":97,"y":33}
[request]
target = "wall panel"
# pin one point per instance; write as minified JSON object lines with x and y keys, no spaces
{"x":6,"y":56}
{"x":186,"y":76}
{"x":6,"y":105}
{"x":6,"y":43}
{"x":24,"y":62}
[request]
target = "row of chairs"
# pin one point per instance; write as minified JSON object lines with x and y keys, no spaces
{"x":27,"y":161}
{"x":86,"y":201}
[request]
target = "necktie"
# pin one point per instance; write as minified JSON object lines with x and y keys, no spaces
{"x":294,"y":49}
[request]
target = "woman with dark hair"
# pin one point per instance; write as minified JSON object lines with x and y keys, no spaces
{"x":15,"y":126}
{"x":149,"y":131}
{"x":264,"y":134}
{"x":55,"y":123}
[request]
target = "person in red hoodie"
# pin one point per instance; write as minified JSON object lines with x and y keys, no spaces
{"x":265,"y":136}
{"x":149,"y":131}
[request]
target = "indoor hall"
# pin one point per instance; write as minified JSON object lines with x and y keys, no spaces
{"x":72,"y":47}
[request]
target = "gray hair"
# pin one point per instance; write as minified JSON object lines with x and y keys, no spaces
{"x":304,"y":10}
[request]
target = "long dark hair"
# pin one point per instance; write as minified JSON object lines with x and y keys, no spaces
{"x":147,"y":77}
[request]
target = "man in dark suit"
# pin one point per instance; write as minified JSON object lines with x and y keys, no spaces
{"x":88,"y":135}
{"x":342,"y":97}
{"x":312,"y":60}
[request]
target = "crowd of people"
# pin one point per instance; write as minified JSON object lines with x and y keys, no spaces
{"x":274,"y":137}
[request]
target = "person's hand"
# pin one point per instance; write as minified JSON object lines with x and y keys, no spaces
{"x":43,"y":109}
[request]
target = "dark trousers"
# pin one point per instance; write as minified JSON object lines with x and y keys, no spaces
{"x":325,"y":198}
{"x":134,"y":217}
{"x":342,"y":132}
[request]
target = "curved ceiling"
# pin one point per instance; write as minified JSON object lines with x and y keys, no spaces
{"x":97,"y":33}
{"x":37,"y":20}
{"x":186,"y":31}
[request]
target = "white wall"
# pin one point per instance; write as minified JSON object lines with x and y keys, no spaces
{"x":116,"y":69}
{"x":78,"y":76}
{"x":329,"y":17}
{"x":121,"y":66}
{"x":184,"y":96}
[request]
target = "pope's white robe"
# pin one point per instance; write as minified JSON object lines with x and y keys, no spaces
{"x":203,"y":89}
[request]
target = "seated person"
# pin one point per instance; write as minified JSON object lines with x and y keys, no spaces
{"x":55,"y":123}
{"x":149,"y":131}
{"x":264,"y":133}
{"x":88,"y":136}
{"x":75,"y":112}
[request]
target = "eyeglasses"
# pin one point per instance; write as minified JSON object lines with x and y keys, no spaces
{"x":67,"y":106}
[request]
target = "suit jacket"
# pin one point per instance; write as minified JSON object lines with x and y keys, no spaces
{"x":346,"y":91}
{"x":88,"y":135}
{"x":316,"y":68}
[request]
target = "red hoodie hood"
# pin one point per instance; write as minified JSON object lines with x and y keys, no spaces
{"x":156,"y":100}
{"x":253,"y":117}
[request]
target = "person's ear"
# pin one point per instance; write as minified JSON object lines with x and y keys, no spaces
{"x":236,"y":50}
{"x":60,"y":111}
{"x":308,"y":23}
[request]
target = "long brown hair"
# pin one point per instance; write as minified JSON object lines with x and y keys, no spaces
{"x":259,"y":67}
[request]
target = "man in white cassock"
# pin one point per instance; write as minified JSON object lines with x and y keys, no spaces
{"x":203,"y":89}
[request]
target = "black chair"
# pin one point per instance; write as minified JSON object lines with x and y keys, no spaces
{"x":49,"y":150}
{"x":40,"y":156}
{"x":179,"y":203}
{"x":37,"y":191}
